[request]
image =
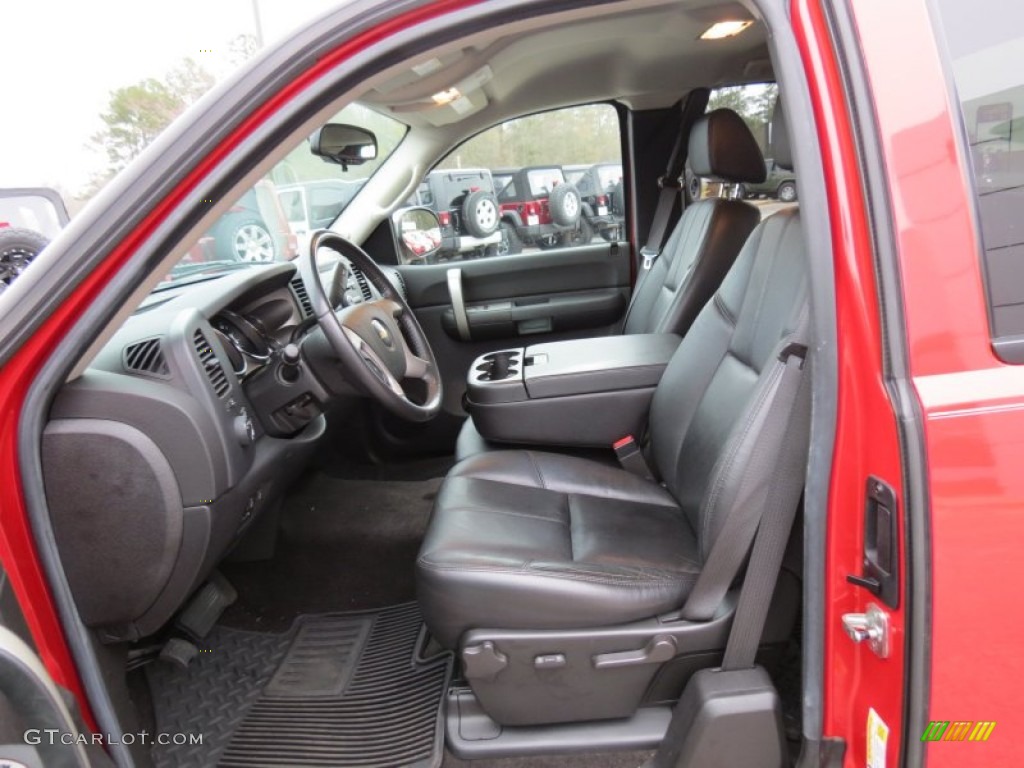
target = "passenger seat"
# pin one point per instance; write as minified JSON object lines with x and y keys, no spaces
{"x":700,"y":250}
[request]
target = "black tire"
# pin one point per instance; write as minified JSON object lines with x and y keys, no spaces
{"x":565,"y":205}
{"x":246,"y":239}
{"x":585,"y":234}
{"x":787,"y":192}
{"x":511,"y":243}
{"x":18,"y":248}
{"x":481,"y":214}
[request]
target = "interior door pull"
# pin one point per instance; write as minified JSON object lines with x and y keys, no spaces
{"x":458,"y":302}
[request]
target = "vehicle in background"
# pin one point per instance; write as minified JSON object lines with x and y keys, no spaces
{"x":467,"y":208}
{"x":602,"y":198}
{"x":29,"y":218}
{"x":255,"y":229}
{"x":501,"y":177}
{"x":779,"y":183}
{"x":539,"y":207}
{"x":312,"y":205}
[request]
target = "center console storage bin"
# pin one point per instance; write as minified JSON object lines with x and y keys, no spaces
{"x":587,"y":392}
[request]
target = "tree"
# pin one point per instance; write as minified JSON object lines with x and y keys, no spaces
{"x":754,"y":103}
{"x":136,"y":114}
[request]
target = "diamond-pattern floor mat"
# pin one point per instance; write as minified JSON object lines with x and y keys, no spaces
{"x":335,"y":690}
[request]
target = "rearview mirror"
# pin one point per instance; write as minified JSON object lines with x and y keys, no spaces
{"x":343,"y":144}
{"x":418,"y":232}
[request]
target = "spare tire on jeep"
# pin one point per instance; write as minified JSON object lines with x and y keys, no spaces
{"x":480,"y":213}
{"x":565,"y":205}
{"x":18,"y":247}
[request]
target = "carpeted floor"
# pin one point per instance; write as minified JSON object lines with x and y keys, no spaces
{"x":344,"y":544}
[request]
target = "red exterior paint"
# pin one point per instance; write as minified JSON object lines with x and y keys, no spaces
{"x":866,"y":436}
{"x":973,"y":403}
{"x":17,"y":548}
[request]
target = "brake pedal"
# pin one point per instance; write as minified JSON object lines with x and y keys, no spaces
{"x":206,"y":606}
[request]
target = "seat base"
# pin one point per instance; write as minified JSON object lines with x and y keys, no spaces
{"x":470,"y":734}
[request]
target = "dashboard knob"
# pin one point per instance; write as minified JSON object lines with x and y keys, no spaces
{"x":244,"y":429}
{"x":290,"y":354}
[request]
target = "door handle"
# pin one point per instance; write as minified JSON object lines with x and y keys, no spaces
{"x":880,"y":575}
{"x":458,"y":302}
{"x":873,"y":626}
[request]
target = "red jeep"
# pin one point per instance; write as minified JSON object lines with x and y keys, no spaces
{"x":743,"y":489}
{"x":539,"y":208}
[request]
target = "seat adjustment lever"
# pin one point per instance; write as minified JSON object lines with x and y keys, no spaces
{"x":659,"y":649}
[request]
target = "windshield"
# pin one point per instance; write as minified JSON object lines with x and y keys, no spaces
{"x":274,"y":219}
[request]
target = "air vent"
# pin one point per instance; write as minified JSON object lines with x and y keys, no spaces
{"x":299,"y":289}
{"x":211,"y":365}
{"x":364,"y":284}
{"x":146,"y":357}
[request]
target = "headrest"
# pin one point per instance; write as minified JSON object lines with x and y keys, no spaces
{"x":779,"y":138}
{"x":722,"y":147}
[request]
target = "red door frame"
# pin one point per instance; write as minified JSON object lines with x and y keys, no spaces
{"x":17,"y":546}
{"x":973,"y":404}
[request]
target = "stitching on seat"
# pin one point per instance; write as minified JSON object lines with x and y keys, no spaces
{"x":513,"y":513}
{"x":536,"y":469}
{"x":730,"y":458}
{"x":724,"y":310}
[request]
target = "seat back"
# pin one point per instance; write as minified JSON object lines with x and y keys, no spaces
{"x":708,"y":236}
{"x":706,"y":412}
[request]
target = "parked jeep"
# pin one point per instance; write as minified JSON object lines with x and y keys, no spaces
{"x":779,"y":183}
{"x":29,"y":218}
{"x":602,"y":198}
{"x":539,"y":207}
{"x":465,"y":203}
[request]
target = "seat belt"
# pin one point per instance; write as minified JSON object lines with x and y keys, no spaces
{"x":773,"y":522}
{"x":673,"y":181}
{"x":780,"y":443}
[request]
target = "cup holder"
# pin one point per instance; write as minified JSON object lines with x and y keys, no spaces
{"x":499,"y":366}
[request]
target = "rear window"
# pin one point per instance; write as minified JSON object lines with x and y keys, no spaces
{"x":543,"y":181}
{"x":985,"y":44}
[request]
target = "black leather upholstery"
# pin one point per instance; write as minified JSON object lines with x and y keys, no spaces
{"x":722,"y":147}
{"x":695,"y":258}
{"x":545,"y":541}
{"x":524,"y":539}
{"x":700,"y":249}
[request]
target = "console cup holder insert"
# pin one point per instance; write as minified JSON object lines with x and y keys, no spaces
{"x":499,"y":366}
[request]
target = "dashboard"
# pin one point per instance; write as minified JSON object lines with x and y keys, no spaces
{"x":189,"y":425}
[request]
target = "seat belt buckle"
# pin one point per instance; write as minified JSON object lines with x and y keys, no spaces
{"x":670,"y":182}
{"x":649,"y":257}
{"x":631,"y":458}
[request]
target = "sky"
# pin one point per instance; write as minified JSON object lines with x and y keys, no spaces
{"x":60,"y":59}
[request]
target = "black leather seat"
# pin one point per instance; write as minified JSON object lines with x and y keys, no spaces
{"x":532,"y":540}
{"x":700,"y":249}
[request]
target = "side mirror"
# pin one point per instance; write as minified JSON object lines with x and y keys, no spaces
{"x":343,"y":144}
{"x":418,"y":233}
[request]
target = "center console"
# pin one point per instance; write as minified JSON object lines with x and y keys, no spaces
{"x":587,"y":392}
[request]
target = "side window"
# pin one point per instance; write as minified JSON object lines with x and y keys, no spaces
{"x":985,"y":43}
{"x":547,"y":181}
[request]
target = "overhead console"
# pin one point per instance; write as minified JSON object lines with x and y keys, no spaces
{"x":587,"y":392}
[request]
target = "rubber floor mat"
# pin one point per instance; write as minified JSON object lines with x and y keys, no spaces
{"x":336,"y":690}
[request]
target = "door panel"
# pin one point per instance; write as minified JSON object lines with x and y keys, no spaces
{"x":514,"y":301}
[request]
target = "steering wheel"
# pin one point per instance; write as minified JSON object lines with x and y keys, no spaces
{"x":380,"y":343}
